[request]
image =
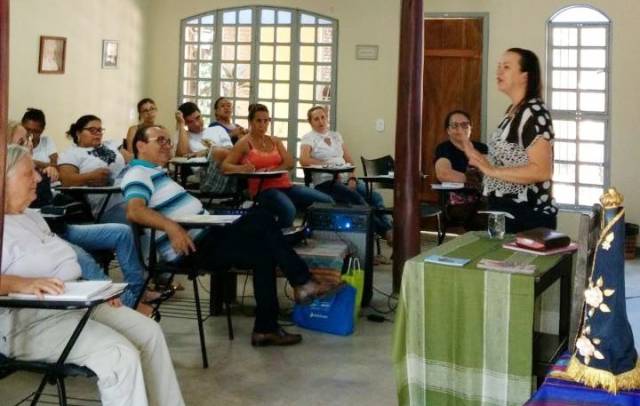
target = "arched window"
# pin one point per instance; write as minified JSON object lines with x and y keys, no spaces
{"x":578,"y":77}
{"x":283,"y":58}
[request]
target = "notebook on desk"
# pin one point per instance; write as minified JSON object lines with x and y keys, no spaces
{"x":78,"y":291}
{"x":182,"y":160}
{"x":449,"y":261}
{"x":447,"y":186}
{"x":207,"y":218}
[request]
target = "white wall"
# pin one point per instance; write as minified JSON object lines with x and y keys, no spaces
{"x":366,"y":89}
{"x":84,"y":87}
{"x":523,"y":24}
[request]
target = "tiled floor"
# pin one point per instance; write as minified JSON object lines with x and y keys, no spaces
{"x":323,"y":370}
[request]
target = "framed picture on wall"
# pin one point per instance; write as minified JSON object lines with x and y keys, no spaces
{"x":52,"y":54}
{"x":109,"y":54}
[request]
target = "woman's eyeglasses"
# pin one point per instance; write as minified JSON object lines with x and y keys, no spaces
{"x":95,"y":130}
{"x":149,"y":110}
{"x":464,"y":125}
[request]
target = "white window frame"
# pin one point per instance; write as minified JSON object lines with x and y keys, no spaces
{"x":579,"y":115}
{"x":295,"y":117}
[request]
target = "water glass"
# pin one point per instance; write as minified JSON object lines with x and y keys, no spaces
{"x":496,"y":225}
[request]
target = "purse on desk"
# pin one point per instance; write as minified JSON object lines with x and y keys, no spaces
{"x":542,"y":239}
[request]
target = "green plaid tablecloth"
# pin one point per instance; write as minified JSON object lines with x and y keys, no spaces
{"x":463,"y":336}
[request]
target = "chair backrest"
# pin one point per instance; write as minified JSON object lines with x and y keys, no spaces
{"x":307,"y":177}
{"x":589,"y":231}
{"x":378,"y":166}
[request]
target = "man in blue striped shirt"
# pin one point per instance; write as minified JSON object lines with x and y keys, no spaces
{"x":252,"y":242}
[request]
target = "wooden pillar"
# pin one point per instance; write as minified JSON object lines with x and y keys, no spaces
{"x":4,"y":102}
{"x":408,"y":136}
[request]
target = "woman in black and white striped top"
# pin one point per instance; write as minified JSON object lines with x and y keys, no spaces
{"x":519,"y":167}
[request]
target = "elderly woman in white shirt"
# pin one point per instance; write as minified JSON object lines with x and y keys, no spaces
{"x":126,"y":350}
{"x":320,"y":147}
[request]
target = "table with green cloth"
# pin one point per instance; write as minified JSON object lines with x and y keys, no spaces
{"x":463,"y":335}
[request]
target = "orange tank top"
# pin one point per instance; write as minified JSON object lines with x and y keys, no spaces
{"x":265,"y":160}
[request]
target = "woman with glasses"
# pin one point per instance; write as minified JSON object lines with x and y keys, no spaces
{"x":518,"y":170}
{"x":127,"y":351}
{"x":259,"y":151}
{"x":19,"y":135}
{"x":452,"y":165}
{"x":147,"y":112}
{"x":92,"y":162}
{"x":324,"y":147}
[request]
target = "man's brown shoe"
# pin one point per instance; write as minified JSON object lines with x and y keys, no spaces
{"x":307,"y":293}
{"x":279,"y":337}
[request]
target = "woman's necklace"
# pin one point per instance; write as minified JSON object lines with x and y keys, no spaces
{"x":327,"y":139}
{"x":262,"y":139}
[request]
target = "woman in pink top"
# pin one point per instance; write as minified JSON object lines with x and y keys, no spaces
{"x":259,"y":151}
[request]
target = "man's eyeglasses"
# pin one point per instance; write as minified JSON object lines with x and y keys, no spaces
{"x":162,"y":141}
{"x":464,"y":125}
{"x":95,"y":130}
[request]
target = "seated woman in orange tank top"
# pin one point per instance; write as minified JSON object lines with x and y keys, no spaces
{"x":260,"y":151}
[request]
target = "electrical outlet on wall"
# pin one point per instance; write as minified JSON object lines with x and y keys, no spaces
{"x":380,"y":125}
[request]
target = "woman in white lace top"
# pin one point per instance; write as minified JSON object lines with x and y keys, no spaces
{"x":519,"y":167}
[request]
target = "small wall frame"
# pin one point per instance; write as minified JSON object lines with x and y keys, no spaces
{"x":52,"y":54}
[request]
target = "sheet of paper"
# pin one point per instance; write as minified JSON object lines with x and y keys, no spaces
{"x":78,"y":291}
{"x":207,"y":218}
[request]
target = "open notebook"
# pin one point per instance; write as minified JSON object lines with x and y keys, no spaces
{"x":79,"y":291}
{"x":207,"y":218}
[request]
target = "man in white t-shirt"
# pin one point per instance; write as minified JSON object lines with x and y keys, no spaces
{"x":196,"y":140}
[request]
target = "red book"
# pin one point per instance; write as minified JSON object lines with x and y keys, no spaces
{"x":542,"y":239}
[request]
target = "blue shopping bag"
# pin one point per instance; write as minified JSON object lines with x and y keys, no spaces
{"x":332,"y":314}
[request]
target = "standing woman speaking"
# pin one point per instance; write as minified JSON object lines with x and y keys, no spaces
{"x":519,"y":166}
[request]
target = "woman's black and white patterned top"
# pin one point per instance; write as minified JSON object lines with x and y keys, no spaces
{"x":508,"y":148}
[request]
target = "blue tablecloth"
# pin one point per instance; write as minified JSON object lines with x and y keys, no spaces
{"x":559,"y":392}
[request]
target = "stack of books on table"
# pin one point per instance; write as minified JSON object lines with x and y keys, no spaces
{"x":542,"y":241}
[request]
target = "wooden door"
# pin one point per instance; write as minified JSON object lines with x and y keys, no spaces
{"x":452,"y":81}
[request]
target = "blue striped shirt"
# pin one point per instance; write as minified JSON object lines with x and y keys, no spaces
{"x":144,"y":180}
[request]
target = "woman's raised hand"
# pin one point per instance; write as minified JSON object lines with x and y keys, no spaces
{"x":478,"y":160}
{"x":52,"y":173}
{"x":180,"y":119}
